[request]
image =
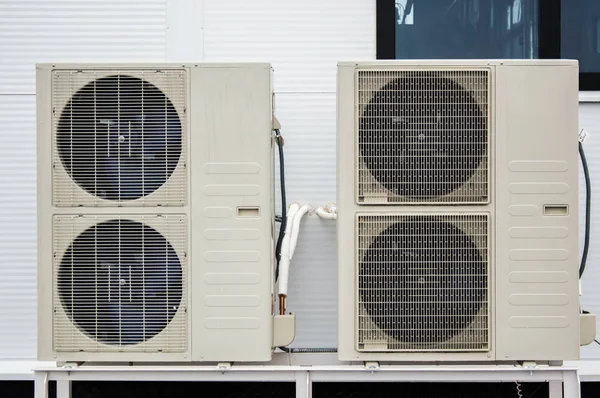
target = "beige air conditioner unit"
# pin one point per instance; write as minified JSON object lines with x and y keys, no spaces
{"x":458,"y":210}
{"x":155,"y":212}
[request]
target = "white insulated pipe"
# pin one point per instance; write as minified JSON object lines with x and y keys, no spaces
{"x":284,"y":261}
{"x":329,"y":212}
{"x":296,"y":228}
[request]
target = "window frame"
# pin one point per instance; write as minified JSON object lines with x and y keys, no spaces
{"x":549,"y":36}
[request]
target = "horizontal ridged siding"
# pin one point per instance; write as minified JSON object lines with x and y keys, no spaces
{"x":33,"y":31}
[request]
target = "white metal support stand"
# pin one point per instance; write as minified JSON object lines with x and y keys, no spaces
{"x":572,"y":384}
{"x":41,"y":385}
{"x":555,"y":389}
{"x":303,"y":385}
{"x":564,"y":380}
{"x":63,"y":388}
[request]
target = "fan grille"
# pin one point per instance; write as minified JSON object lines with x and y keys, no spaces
{"x":423,"y":283}
{"x":423,"y":136}
{"x":119,"y":137}
{"x":119,"y":284}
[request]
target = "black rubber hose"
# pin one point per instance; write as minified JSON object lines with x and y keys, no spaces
{"x":283,"y":225}
{"x":588,"y":207}
{"x":307,"y":350}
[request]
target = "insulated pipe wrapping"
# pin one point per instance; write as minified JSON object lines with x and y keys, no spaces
{"x":284,"y":262}
{"x":329,"y":215}
{"x":296,"y":228}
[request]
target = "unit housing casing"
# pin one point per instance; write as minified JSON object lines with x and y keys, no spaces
{"x":457,"y":197}
{"x":155,"y":212}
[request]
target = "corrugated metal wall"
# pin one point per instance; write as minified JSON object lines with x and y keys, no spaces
{"x":589,"y":119}
{"x":303,"y":40}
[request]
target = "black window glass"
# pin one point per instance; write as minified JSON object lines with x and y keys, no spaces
{"x":580,"y":33}
{"x":462,"y":29}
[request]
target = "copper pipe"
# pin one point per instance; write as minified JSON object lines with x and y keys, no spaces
{"x":281,"y":304}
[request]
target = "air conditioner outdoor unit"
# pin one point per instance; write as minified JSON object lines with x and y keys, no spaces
{"x":458,"y":210}
{"x":155,"y":209}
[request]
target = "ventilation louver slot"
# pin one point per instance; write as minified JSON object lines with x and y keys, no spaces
{"x":423,"y":283}
{"x":120,"y":284}
{"x":423,"y":136}
{"x":119,"y":137}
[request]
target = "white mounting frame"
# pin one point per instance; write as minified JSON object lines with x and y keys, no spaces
{"x":563,"y":380}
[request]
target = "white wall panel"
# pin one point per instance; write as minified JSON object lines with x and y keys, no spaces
{"x":589,"y":119}
{"x":185,"y":36}
{"x":302,"y":39}
{"x":17,"y":227}
{"x":308,"y":127}
{"x":34,"y":31}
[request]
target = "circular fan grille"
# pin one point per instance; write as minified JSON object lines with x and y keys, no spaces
{"x":120,"y":281}
{"x":119,"y":138}
{"x":422,"y":281}
{"x":422,"y":137}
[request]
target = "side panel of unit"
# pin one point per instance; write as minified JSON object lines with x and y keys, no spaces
{"x":44,"y":213}
{"x":346,"y":233}
{"x":537,"y":212}
{"x":232,"y":213}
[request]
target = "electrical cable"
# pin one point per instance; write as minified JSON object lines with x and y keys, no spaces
{"x":279,"y":141}
{"x":588,"y":205}
{"x":306,"y":350}
{"x":519,"y":390}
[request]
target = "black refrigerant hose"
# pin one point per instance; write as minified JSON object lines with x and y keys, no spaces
{"x":307,"y":350}
{"x":282,"y":226}
{"x":588,"y":206}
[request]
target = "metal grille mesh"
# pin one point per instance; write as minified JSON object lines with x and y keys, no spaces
{"x":120,"y":284}
{"x":423,"y":283}
{"x":119,"y":137}
{"x":423,"y":136}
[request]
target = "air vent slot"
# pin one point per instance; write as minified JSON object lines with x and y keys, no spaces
{"x":252,"y":212}
{"x":556,"y":210}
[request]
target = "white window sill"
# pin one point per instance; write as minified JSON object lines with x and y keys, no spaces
{"x":589,"y":96}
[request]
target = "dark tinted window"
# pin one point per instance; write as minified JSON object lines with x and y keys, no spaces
{"x":580,"y":33}
{"x":459,"y":29}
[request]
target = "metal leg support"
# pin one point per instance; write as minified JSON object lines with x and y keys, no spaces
{"x":63,"y":389}
{"x":571,"y":384}
{"x":41,"y":384}
{"x":303,"y":385}
{"x":555,"y":388}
